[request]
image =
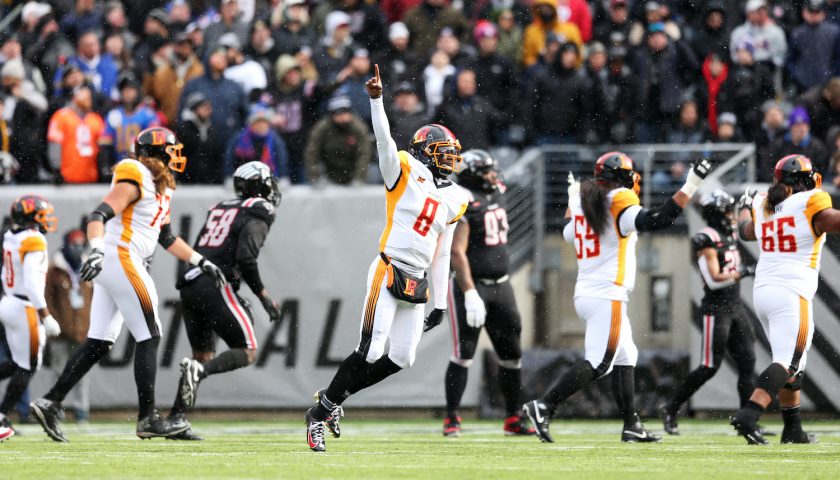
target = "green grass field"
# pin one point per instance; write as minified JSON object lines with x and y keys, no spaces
{"x":415,"y":449}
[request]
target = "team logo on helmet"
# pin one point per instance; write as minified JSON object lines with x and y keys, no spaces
{"x":797,"y":172}
{"x":161,"y":143}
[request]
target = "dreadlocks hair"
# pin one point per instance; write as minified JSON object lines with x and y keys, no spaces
{"x":593,"y":201}
{"x":777,"y":194}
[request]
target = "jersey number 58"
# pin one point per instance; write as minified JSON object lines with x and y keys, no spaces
{"x":217,"y":227}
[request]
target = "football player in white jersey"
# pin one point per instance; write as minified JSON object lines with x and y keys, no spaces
{"x":602,"y":220}
{"x":23,"y":308}
{"x":123,"y":232}
{"x":421,"y":209}
{"x":790,"y":223}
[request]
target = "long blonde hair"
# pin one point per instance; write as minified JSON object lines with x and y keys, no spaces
{"x":160,"y":173}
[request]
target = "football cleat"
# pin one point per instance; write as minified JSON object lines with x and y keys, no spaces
{"x":452,"y":426}
{"x":6,"y":433}
{"x":314,"y":432}
{"x":764,"y":432}
{"x":153,"y":425}
{"x":744,"y":423}
{"x":539,"y":416}
{"x":669,"y":421}
{"x":518,"y":425}
{"x":636,"y":433}
{"x":192,"y":371}
{"x":48,"y":413}
{"x":798,"y":436}
{"x":187,"y":434}
{"x":335,"y":415}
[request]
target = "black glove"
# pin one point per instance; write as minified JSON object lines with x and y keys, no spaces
{"x":93,"y":265}
{"x":746,"y":270}
{"x":271,"y":308}
{"x":701,"y":166}
{"x":434,"y":319}
{"x":215,"y":272}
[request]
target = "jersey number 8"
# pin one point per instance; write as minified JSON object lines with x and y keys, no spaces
{"x":217,"y":227}
{"x":427,"y":217}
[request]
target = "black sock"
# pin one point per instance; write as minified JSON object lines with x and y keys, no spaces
{"x":145,"y":370}
{"x":225,"y":362}
{"x":793,"y":422}
{"x":14,"y":390}
{"x":574,"y":379}
{"x":374,"y":373}
{"x":624,"y":391}
{"x":82,"y":360}
{"x":510,"y":382}
{"x":343,"y":380}
{"x":6,"y":370}
{"x":746,"y":386}
{"x":772,"y":379}
{"x":455,"y":383}
{"x":178,"y":406}
{"x":689,"y":387}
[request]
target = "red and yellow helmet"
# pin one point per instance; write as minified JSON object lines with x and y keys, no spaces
{"x":161,"y":143}
{"x":34,"y":211}
{"x":797,"y":172}
{"x":436,"y":146}
{"x":617,"y":168}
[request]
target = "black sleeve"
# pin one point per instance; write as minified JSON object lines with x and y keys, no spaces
{"x":166,"y":238}
{"x":658,"y":219}
{"x":251,"y":239}
{"x":701,"y":241}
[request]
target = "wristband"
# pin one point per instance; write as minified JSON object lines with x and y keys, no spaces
{"x":97,"y":243}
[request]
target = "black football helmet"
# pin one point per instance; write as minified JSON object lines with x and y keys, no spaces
{"x":437,"y":148}
{"x":797,"y":172}
{"x":718,"y":210}
{"x":34,"y":211}
{"x":161,"y":143}
{"x":476,"y":164}
{"x":617,"y":168}
{"x":254,"y":179}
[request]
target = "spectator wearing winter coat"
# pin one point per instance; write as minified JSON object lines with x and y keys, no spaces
{"x":471,"y":117}
{"x":662,"y":67}
{"x":195,"y":131}
{"x":617,"y":20}
{"x":510,"y":37}
{"x":401,"y":63}
{"x":769,"y":39}
{"x":230,"y":106}
{"x":655,"y":13}
{"x":295,"y":31}
{"x":12,"y":50}
{"x":353,"y":85}
{"x":263,"y":49}
{"x":368,"y":28}
{"x":712,"y":35}
{"x":577,"y":12}
{"x":258,"y":142}
{"x":545,"y":21}
{"x":690,"y":128}
{"x":156,"y":33}
{"x":229,"y":22}
{"x":814,"y":48}
{"x":425,"y":21}
{"x":497,"y":77}
{"x":434,"y":79}
{"x":773,"y":126}
{"x":339,"y":149}
{"x":715,"y":76}
{"x":49,"y":49}
{"x":292,"y":100}
{"x":23,"y":112}
{"x":335,"y":49}
{"x":460,"y":54}
{"x":823,"y":104}
{"x":73,"y":135}
{"x":85,"y":17}
{"x":99,"y":68}
{"x":249,"y":74}
{"x":167,"y":81}
{"x":614,"y":96}
{"x":557,"y":101}
{"x":395,"y":10}
{"x":749,"y":84}
{"x":798,"y":140}
{"x":406,"y":112}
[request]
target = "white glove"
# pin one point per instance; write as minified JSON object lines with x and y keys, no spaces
{"x":474,"y":306}
{"x":51,"y":327}
{"x":746,"y":200}
{"x":574,"y":192}
{"x":696,"y":174}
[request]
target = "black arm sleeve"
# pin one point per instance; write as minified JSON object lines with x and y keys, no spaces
{"x":251,"y":239}
{"x":103,"y":213}
{"x":166,"y":238}
{"x":658,"y":219}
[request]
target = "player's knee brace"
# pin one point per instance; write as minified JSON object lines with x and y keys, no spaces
{"x":511,"y":364}
{"x":464,"y":362}
{"x":796,"y":384}
{"x":402,"y":356}
{"x":772,"y":379}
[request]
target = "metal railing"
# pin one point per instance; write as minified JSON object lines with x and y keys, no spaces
{"x":526,"y":211}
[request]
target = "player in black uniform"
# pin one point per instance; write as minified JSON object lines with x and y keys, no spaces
{"x":482,"y":294}
{"x":231,"y":237}
{"x":715,"y":249}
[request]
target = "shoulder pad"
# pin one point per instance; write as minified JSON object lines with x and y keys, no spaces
{"x":259,"y":208}
{"x":702,"y":240}
{"x":129,"y":170}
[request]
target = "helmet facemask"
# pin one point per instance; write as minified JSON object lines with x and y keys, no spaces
{"x":177,"y":162}
{"x":446,"y":156}
{"x":47,"y":220}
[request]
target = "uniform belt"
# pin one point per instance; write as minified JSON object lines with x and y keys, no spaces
{"x":22,"y":297}
{"x":491,"y":281}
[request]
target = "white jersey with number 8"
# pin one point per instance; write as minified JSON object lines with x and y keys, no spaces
{"x":790,"y":249}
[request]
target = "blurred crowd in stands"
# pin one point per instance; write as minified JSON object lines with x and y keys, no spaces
{"x":281,"y":81}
